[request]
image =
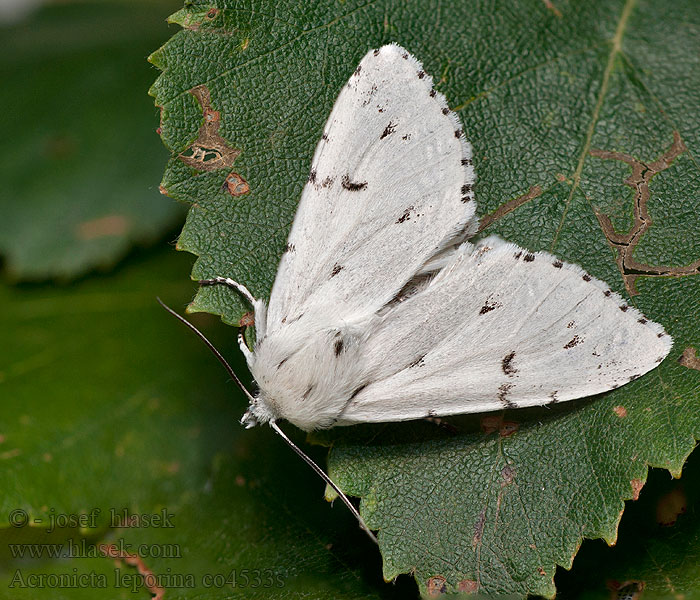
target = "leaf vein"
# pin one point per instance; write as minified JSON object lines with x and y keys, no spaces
{"x":614,"y":51}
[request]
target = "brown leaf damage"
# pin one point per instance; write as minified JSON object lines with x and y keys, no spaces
{"x":194,"y":21}
{"x":236,"y":185}
{"x":468,"y":586}
{"x":209,"y":151}
{"x":479,"y":528}
{"x":625,"y":244}
{"x":630,"y":590}
{"x":150,"y":580}
{"x":491,"y":424}
{"x":436,"y":585}
{"x":509,"y":206}
{"x":637,"y":485}
{"x":620,"y":411}
{"x":553,"y":9}
{"x":690,"y":359}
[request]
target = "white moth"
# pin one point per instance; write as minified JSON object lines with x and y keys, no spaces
{"x":382,"y":311}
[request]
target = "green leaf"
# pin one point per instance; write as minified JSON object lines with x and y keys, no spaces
{"x":657,"y":546}
{"x":110,"y":404}
{"x":582,"y":118}
{"x":82,"y":157}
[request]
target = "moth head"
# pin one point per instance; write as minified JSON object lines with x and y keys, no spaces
{"x":249,"y":419}
{"x":258,"y":412}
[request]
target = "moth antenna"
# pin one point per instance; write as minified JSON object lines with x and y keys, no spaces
{"x":322,"y":474}
{"x":211,"y":347}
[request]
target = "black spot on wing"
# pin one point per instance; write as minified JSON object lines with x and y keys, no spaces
{"x":421,"y":74}
{"x":458,"y":133}
{"x":586,"y":277}
{"x":290,"y":248}
{"x":324,"y":137}
{"x":607,"y":293}
{"x":388,"y":130}
{"x":357,"y":71}
{"x":574,"y":341}
{"x":327,"y":182}
{"x":418,"y":362}
{"x":503,"y":392}
{"x":370,"y":95}
{"x":529,"y":257}
{"x":406,"y":216}
{"x":312,"y":176}
{"x":517,"y":255}
{"x":433,"y":93}
{"x":624,"y":307}
{"x":305,"y":395}
{"x":643,"y":321}
{"x":352,"y":186}
{"x":467,"y":193}
{"x":489,"y":305}
{"x":507,"y":365}
{"x":557,"y":264}
{"x":445,"y":111}
{"x":336,"y":269}
{"x":338,"y":346}
{"x":357,"y":391}
{"x":467,"y":161}
{"x":376,"y":52}
{"x":294,"y":320}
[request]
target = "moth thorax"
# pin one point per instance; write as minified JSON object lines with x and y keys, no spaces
{"x":306,"y":380}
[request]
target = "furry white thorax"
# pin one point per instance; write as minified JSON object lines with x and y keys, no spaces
{"x":307,"y":371}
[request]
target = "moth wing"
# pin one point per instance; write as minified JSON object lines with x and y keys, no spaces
{"x":390,"y":186}
{"x":499,"y":328}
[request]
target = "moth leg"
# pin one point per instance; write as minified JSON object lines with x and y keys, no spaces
{"x":258,"y":310}
{"x":239,"y":287}
{"x":247,"y":354}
